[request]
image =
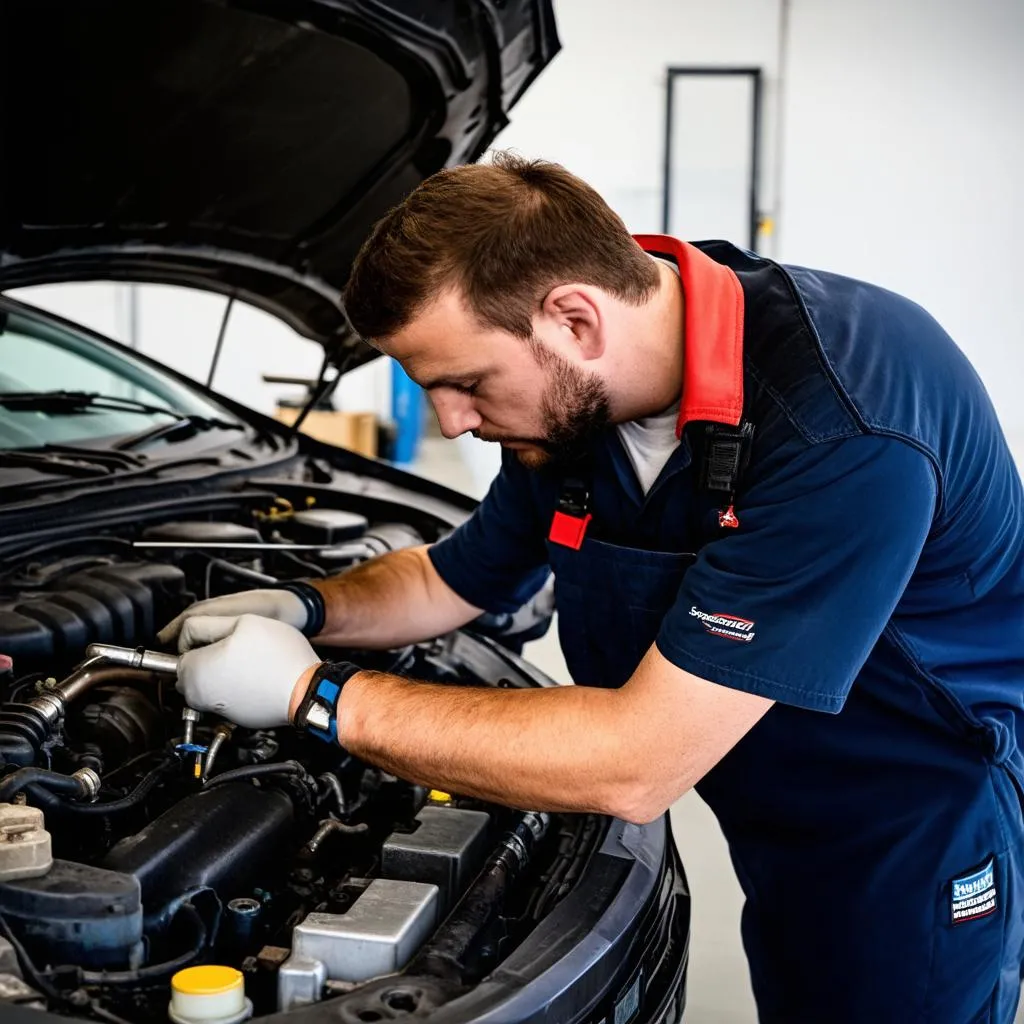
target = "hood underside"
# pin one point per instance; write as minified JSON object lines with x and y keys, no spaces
{"x":242,"y":146}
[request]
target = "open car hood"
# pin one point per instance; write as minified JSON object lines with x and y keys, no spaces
{"x":242,"y":146}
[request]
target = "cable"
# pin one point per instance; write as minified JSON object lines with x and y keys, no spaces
{"x":257,"y":771}
{"x":99,"y":1011}
{"x":155,"y":972}
{"x":308,"y":566}
{"x":27,"y":966}
{"x":244,"y":573}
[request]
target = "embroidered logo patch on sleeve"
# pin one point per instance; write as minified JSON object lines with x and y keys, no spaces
{"x":974,"y":895}
{"x":730,"y":626}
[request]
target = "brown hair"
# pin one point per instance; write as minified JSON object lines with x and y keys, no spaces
{"x":505,"y":234}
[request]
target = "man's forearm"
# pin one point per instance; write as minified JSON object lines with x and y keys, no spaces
{"x":563,"y":749}
{"x":392,"y":600}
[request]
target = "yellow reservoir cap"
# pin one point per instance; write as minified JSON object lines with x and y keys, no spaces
{"x":208,"y":980}
{"x":210,"y":994}
{"x":437,"y":796}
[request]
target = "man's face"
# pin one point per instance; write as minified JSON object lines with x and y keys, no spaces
{"x":527,"y":395}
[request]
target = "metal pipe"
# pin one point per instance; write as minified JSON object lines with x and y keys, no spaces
{"x":220,"y":736}
{"x":135,"y":657}
{"x":95,"y":672}
{"x":234,"y":545}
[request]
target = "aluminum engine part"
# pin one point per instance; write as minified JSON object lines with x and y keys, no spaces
{"x":24,"y":843}
{"x":300,"y":982}
{"x":378,"y":935}
{"x":446,"y":850}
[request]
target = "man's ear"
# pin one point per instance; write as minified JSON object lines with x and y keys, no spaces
{"x":575,"y":311}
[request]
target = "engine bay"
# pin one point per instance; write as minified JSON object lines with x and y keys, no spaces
{"x":139,"y":839}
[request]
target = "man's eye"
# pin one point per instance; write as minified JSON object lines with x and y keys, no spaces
{"x":470,"y":389}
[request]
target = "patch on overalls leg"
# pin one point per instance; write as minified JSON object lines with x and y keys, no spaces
{"x":974,"y":895}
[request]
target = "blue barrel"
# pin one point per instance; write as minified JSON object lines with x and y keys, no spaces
{"x":407,"y":410}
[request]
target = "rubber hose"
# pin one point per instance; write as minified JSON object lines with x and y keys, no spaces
{"x":257,"y":771}
{"x":48,"y":801}
{"x":53,"y":782}
{"x":155,"y":972}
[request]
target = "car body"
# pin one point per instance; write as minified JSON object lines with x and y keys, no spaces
{"x":128,"y":490}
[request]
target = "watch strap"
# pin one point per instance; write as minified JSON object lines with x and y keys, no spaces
{"x":313,"y":600}
{"x":318,"y":712}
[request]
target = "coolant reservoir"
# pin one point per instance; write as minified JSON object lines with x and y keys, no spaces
{"x":24,"y":843}
{"x":208,"y":995}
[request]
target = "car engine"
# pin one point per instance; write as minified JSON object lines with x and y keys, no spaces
{"x":139,"y":838}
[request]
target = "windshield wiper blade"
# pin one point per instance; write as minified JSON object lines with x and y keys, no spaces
{"x":67,"y":460}
{"x":181,"y":429}
{"x":71,"y":402}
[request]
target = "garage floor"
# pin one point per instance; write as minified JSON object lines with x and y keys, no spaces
{"x":719,"y":986}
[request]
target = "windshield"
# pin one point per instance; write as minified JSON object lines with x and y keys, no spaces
{"x":38,"y":356}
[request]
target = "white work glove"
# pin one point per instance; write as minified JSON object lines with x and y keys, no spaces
{"x":244,"y":668}
{"x":282,"y":605}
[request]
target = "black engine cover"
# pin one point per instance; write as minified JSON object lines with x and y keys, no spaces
{"x":117,"y":603}
{"x":226,"y":838}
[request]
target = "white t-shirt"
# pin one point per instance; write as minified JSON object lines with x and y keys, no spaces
{"x":649,"y":443}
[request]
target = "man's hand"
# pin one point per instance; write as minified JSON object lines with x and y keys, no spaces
{"x":281,"y":605}
{"x":244,"y":667}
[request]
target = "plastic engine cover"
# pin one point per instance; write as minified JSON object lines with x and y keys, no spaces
{"x":225,"y":838}
{"x":116,"y":603}
{"x":76,"y":914}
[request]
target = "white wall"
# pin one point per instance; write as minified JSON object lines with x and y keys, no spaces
{"x":904,"y":145}
{"x":179,"y":327}
{"x":902,"y":141}
{"x":599,"y":108}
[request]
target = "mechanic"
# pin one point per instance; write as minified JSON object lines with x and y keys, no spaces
{"x":787,"y":538}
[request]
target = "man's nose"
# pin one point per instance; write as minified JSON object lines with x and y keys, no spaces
{"x":455,"y":413}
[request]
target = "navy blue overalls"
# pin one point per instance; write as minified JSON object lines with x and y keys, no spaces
{"x":867,"y":575}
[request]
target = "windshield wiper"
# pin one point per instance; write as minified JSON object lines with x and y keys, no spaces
{"x":71,"y":402}
{"x":181,"y":429}
{"x":68,"y":460}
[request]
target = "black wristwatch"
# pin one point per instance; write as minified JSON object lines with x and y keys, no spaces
{"x":318,"y":712}
{"x":316,"y":610}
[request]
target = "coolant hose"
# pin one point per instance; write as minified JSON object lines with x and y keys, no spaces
{"x":49,"y":801}
{"x":53,"y":782}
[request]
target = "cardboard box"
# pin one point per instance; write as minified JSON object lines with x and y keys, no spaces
{"x":356,"y":431}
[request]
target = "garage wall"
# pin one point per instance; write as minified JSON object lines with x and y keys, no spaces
{"x":179,"y":327}
{"x":904,"y":144}
{"x":902,"y":138}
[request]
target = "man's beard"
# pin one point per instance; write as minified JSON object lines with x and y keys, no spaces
{"x":575,"y":408}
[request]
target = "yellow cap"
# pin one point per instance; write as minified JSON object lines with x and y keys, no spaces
{"x":207,"y":980}
{"x":209,"y":995}
{"x":436,"y":796}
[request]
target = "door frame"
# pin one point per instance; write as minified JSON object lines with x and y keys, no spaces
{"x":693,"y":71}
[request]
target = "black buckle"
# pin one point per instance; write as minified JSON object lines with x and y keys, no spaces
{"x":574,"y":498}
{"x":725,"y":456}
